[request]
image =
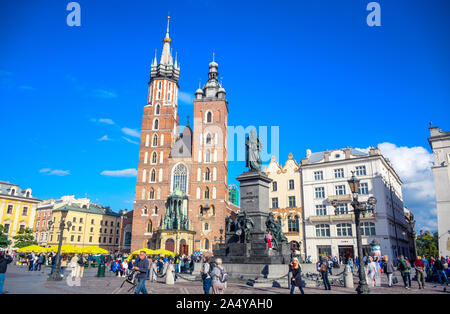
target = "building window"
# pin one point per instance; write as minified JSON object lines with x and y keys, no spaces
{"x":153,"y":176}
{"x":6,"y":228}
{"x":208,"y":156}
{"x":291,"y":201}
{"x":361,"y":170}
{"x":291,"y":184}
{"x":81,"y":220}
{"x":90,"y":239}
{"x":363,"y":188}
{"x":321,"y":210}
{"x":156,"y":124}
{"x":208,"y":139}
{"x":209,"y":117}
{"x":344,"y":230}
{"x":318,"y":175}
{"x":157,"y":109}
{"x":275,"y":202}
{"x":92,"y":221}
{"x":368,"y":229}
{"x":206,"y":227}
{"x":339,"y":173}
{"x":25,"y":211}
{"x":72,"y":238}
{"x":293,"y":224}
{"x":79,"y":239}
{"x":155,"y":140}
{"x":340,"y":189}
{"x":10,"y":209}
{"x":207,"y":193}
{"x":151,"y":194}
{"x":207,"y":175}
{"x":149,"y":226}
{"x":274,"y":186}
{"x":342,"y":209}
{"x":180,"y":178}
{"x":74,"y":219}
{"x":320,"y":192}
{"x":322,"y":230}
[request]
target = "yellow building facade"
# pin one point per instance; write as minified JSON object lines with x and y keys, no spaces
{"x":17,"y":209}
{"x":91,"y":225}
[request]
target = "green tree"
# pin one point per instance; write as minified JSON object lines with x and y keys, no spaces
{"x":4,"y":241}
{"x":427,"y":244}
{"x":24,"y":238}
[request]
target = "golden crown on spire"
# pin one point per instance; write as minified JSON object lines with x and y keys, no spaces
{"x":167,"y":38}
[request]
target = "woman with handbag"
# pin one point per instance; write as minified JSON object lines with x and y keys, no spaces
{"x":296,"y":271}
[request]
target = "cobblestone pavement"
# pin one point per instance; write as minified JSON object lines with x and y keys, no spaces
{"x":20,"y":280}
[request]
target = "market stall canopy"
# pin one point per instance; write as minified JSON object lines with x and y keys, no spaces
{"x":64,"y":249}
{"x":136,"y":253}
{"x":164,"y":252}
{"x":94,"y":250}
{"x":32,"y":248}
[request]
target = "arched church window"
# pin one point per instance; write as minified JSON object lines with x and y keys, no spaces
{"x":208,"y":139}
{"x":180,"y":173}
{"x":208,"y":156}
{"x":149,"y":226}
{"x":206,"y":244}
{"x":207,"y":175}
{"x":154,"y":158}
{"x":156,"y":124}
{"x":157,"y":109}
{"x":207,"y":193}
{"x":152,"y":194}
{"x":155,"y":140}
{"x":209,"y":117}
{"x":153,"y":176}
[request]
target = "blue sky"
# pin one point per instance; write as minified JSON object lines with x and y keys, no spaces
{"x":313,"y":68}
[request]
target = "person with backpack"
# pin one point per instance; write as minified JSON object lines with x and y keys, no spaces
{"x":206,"y":274}
{"x":323,"y":270}
{"x":219,"y":278}
{"x":404,"y":267}
{"x":388,"y":269}
{"x":296,"y":271}
{"x":419,"y":265}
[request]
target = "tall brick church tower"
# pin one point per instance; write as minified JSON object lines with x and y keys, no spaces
{"x":192,"y":164}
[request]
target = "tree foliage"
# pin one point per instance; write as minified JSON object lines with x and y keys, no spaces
{"x":428,"y":244}
{"x":24,"y":238}
{"x":4,"y":241}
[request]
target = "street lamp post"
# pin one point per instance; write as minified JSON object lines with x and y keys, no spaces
{"x":56,"y":275}
{"x":359,"y":209}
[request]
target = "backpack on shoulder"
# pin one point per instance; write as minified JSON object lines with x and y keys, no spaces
{"x":223,"y":276}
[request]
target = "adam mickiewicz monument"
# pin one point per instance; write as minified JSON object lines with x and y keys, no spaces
{"x":245,"y":252}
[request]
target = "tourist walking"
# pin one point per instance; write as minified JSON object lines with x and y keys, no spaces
{"x":350,"y":263}
{"x":64,"y":262}
{"x":5,"y":259}
{"x":404,"y":267}
{"x":419,"y":266}
{"x":206,"y":276}
{"x":439,"y":268}
{"x":296,"y":271}
{"x":372,"y":271}
{"x":41,"y":260}
{"x":75,"y":267}
{"x":323,"y":270}
{"x":269,"y":240}
{"x":81,"y":262}
{"x":141,"y":266}
{"x":219,"y":278}
{"x":388,"y":269}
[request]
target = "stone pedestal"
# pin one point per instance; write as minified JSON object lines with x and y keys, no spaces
{"x":253,"y":259}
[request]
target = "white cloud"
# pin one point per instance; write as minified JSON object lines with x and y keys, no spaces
{"x":107,"y":121}
{"x":413,"y":165}
{"x":102,"y":93}
{"x":120,"y":173}
{"x":130,"y":141}
{"x":131,"y":132}
{"x":104,"y":138}
{"x":55,"y":172}
{"x":186,"y":98}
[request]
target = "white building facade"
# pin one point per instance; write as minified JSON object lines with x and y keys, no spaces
{"x":440,"y":143}
{"x":328,"y":233}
